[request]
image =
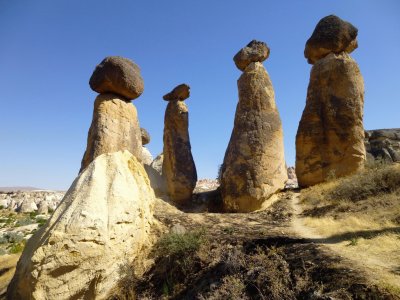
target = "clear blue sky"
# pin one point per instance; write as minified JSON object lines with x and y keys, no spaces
{"x":49,"y":49}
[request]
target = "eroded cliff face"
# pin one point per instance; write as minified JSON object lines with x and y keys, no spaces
{"x":104,"y":220}
{"x":330,"y":137}
{"x":254,"y":165}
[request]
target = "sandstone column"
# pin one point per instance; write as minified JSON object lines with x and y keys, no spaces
{"x":254,"y":164}
{"x":178,"y":167}
{"x":330,"y":137}
{"x":115,"y":124}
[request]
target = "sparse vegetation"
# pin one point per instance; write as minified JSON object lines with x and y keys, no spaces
{"x":359,"y":216}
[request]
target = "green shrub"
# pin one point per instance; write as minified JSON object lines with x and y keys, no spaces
{"x":41,"y":221}
{"x":370,"y":182}
{"x":17,"y":247}
{"x":23,"y":222}
{"x":180,"y":244}
{"x":14,"y":237}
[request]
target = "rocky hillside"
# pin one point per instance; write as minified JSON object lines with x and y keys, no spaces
{"x":383,"y":144}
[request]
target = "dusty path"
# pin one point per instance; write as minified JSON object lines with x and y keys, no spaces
{"x":280,"y":225}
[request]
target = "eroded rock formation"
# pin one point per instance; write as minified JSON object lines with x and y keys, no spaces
{"x":115,"y":124}
{"x":178,"y":167}
{"x":383,"y":144}
{"x":330,"y":137}
{"x":103,"y":221}
{"x":254,"y":164}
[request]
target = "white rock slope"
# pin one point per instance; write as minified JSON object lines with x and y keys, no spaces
{"x":103,"y":221}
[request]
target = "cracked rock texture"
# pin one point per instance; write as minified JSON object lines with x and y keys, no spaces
{"x":178,"y":169}
{"x":330,"y":137}
{"x":115,"y":127}
{"x":103,"y":221}
{"x":254,"y":164}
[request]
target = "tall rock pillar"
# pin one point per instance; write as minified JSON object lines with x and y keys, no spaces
{"x":178,"y":167}
{"x":330,"y":137}
{"x":254,"y":165}
{"x":115,"y":124}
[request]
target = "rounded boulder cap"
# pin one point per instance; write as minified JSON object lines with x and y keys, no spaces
{"x":255,"y":51}
{"x":180,"y":93}
{"x":118,"y":75}
{"x":331,"y":35}
{"x":145,"y":136}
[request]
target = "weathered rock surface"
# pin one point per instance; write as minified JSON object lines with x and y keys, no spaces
{"x":15,"y":200}
{"x":178,"y":170}
{"x":145,"y":136}
{"x":103,"y":221}
{"x":330,"y":137}
{"x":115,"y":127}
{"x":383,"y":144}
{"x":331,"y":35}
{"x":180,"y":93}
{"x":254,"y":165}
{"x":255,"y":51}
{"x":117,"y":75}
{"x":157,"y":180}
{"x":147,"y":158}
{"x":291,"y":183}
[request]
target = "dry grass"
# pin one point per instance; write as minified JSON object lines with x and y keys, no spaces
{"x":359,"y":216}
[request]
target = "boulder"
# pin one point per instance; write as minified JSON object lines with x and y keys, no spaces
{"x":154,"y":171}
{"x":255,"y":51}
{"x":43,"y":208}
{"x":117,"y":75}
{"x":383,"y":144}
{"x":147,"y":158}
{"x":330,"y":137}
{"x":115,"y":127}
{"x":28,"y":205}
{"x":331,"y":35}
{"x":254,"y":166}
{"x":180,"y":93}
{"x":145,"y":136}
{"x":179,"y":170}
{"x":103,"y":222}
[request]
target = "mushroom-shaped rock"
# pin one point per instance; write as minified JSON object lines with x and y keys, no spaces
{"x":115,"y":127}
{"x":145,"y":136}
{"x":255,"y":51}
{"x":180,"y":93}
{"x":254,"y":164}
{"x":178,"y":167}
{"x":103,"y":221}
{"x":331,"y":35}
{"x":118,"y":75}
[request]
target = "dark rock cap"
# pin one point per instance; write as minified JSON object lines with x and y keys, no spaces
{"x":331,"y":35}
{"x":181,"y":92}
{"x":118,"y":75}
{"x":254,"y":51}
{"x":145,"y":136}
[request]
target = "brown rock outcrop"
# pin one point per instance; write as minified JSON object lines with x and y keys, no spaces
{"x":254,"y":165}
{"x":145,"y":136}
{"x":178,"y":169}
{"x":117,"y":75}
{"x":255,"y":51}
{"x":331,"y":35}
{"x":330,"y":137}
{"x":114,"y":127}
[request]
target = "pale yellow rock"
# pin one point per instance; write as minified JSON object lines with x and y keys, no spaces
{"x":330,"y":137}
{"x":103,"y":222}
{"x":254,"y":164}
{"x":115,"y":127}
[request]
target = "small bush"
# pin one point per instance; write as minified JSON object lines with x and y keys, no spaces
{"x":1,"y":206}
{"x":370,"y":182}
{"x":41,"y":221}
{"x":176,"y":244}
{"x":17,"y":247}
{"x":14,"y":237}
{"x":24,"y":222}
{"x":33,"y":214}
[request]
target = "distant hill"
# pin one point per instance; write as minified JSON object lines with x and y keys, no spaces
{"x":18,"y":188}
